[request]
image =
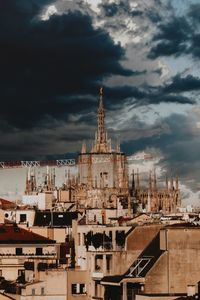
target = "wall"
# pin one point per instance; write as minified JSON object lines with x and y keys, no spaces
{"x":45,"y":200}
{"x":2,"y":212}
{"x":30,"y":199}
{"x":53,"y":282}
{"x":39,"y":230}
{"x":184,"y":258}
{"x":145,"y":297}
{"x":110,"y":163}
{"x":30,"y":215}
{"x":157,"y":279}
{"x":126,"y":258}
{"x":77,"y":276}
{"x":80,"y":230}
{"x":10,"y":263}
{"x":10,"y":268}
{"x":55,"y":233}
{"x":141,"y":236}
{"x":179,"y":266}
{"x":42,"y":200}
{"x":63,"y":196}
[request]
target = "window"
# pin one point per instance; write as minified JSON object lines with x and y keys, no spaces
{"x":18,"y":251}
{"x":39,"y":251}
{"x":42,"y":290}
{"x":84,"y":238}
{"x":33,"y":292}
{"x":82,"y":288}
{"x":104,"y":178}
{"x":98,"y":262}
{"x":105,"y":175}
{"x":74,"y":288}
{"x":21,"y":272}
{"x":22,"y":218}
{"x":79,"y":239}
{"x":78,"y":288}
{"x":108,"y":262}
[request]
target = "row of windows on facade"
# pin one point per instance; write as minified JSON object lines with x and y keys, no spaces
{"x":118,"y":235}
{"x":76,"y":288}
{"x":42,"y":291}
{"x":19,"y":251}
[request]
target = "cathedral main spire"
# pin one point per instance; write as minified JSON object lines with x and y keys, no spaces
{"x":101,"y":142}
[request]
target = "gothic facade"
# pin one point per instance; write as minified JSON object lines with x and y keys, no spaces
{"x":155,"y":198}
{"x":102,"y":171}
{"x":102,"y":180}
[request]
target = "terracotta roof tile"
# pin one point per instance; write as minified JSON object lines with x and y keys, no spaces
{"x":11,"y":233}
{"x":6,"y":204}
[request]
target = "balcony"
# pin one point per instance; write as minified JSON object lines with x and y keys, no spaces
{"x":42,"y":266}
{"x":107,"y":246}
{"x":11,"y":255}
{"x":97,"y":275}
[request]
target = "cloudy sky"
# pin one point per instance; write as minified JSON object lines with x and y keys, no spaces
{"x":55,"y":54}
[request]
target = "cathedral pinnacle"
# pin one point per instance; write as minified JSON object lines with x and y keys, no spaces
{"x":101,"y":107}
{"x":101,"y":143}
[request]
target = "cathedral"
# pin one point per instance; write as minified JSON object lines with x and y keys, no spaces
{"x":154,"y":198}
{"x":103,"y":178}
{"x":102,"y":171}
{"x":101,"y":185}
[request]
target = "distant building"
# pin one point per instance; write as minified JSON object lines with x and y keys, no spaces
{"x":154,"y":198}
{"x":18,"y":246}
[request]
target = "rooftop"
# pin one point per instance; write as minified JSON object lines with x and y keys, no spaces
{"x":7,"y":204}
{"x":12,"y":234}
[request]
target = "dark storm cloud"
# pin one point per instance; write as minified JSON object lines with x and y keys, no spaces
{"x":170,"y":98}
{"x":51,"y":71}
{"x":153,"y":16}
{"x":148,"y":95}
{"x":51,"y":138}
{"x":182,"y":84}
{"x":178,"y":36}
{"x":195,"y":21}
{"x":193,"y":13}
{"x":47,"y":65}
{"x":179,"y":145}
{"x":171,"y":38}
{"x":43,"y":63}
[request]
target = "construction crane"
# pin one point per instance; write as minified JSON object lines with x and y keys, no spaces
{"x":36,"y":163}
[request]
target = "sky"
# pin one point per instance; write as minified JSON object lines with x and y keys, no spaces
{"x":56,"y":54}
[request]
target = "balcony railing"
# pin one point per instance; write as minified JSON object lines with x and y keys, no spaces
{"x":97,"y":274}
{"x":3,"y":255}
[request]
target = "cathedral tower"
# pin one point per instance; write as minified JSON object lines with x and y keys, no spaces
{"x":101,"y":143}
{"x":102,"y":167}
